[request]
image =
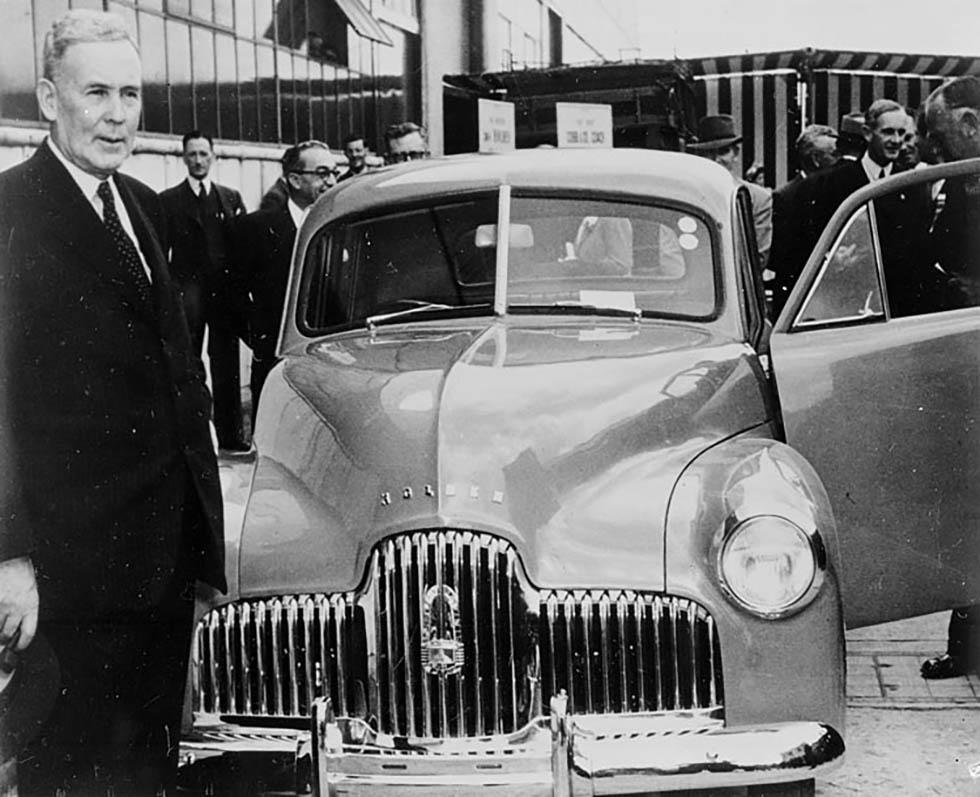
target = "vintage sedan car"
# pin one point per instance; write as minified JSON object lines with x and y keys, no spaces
{"x":543,"y":503}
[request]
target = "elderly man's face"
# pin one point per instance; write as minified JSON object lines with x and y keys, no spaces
{"x":886,"y":137}
{"x":94,"y":103}
{"x":949,"y":131}
{"x":824,"y":153}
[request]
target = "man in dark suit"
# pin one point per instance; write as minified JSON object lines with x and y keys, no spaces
{"x":819,"y":195}
{"x":199,"y":213}
{"x":816,"y":150}
{"x":110,"y":505}
{"x":265,"y":240}
{"x":886,"y":123}
{"x":953,"y":124}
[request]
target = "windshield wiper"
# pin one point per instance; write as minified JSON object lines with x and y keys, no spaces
{"x":418,"y":307}
{"x":584,"y":309}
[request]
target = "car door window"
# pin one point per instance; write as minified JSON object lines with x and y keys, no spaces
{"x":848,"y":288}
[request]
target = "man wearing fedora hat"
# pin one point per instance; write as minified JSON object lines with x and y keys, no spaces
{"x":719,"y":141}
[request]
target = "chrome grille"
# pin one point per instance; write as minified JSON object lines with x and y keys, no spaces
{"x":491,"y":692}
{"x":628,"y":652}
{"x":272,"y":658}
{"x":446,"y":637}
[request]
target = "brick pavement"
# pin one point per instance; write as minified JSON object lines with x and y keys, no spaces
{"x":883,"y":667}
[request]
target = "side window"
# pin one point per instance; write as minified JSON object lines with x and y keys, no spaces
{"x":330,"y":278}
{"x":847,"y":288}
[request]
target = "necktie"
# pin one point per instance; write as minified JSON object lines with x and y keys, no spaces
{"x":881,"y":175}
{"x":202,"y":199}
{"x":128,"y":255}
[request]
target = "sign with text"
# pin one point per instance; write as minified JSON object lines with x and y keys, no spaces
{"x":496,"y":123}
{"x":582,"y":124}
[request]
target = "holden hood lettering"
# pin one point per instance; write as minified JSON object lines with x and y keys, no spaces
{"x":567,"y":440}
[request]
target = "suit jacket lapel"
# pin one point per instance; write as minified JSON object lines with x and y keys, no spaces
{"x":72,"y":220}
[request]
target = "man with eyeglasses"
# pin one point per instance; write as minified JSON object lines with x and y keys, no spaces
{"x":266,"y":240}
{"x":406,"y":142}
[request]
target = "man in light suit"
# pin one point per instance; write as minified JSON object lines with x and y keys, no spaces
{"x":265,"y":245}
{"x":199,"y":213}
{"x":719,"y":141}
{"x":110,"y":505}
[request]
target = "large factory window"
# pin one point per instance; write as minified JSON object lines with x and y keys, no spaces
{"x":275,"y":71}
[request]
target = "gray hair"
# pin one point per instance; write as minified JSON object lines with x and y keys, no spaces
{"x":82,"y":26}
{"x":807,"y":140}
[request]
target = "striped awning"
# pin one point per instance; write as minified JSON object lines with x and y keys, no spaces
{"x":810,"y":59}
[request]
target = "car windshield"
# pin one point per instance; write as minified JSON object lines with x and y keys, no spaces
{"x":564,"y":255}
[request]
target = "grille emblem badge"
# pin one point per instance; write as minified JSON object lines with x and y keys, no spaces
{"x":442,"y":639}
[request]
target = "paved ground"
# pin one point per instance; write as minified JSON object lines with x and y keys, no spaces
{"x":906,"y":735}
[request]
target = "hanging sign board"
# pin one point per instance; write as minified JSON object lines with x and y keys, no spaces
{"x":496,"y":123}
{"x":582,"y":124}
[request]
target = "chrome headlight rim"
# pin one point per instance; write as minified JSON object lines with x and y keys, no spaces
{"x":736,"y":526}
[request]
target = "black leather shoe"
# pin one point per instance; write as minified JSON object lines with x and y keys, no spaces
{"x":944,"y":666}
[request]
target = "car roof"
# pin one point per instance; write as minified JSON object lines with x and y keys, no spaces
{"x":639,"y":173}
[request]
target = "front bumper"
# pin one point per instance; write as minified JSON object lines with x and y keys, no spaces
{"x":558,"y":756}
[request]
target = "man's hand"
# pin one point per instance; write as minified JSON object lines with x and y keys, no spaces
{"x":18,"y":602}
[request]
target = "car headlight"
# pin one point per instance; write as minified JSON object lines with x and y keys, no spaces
{"x":771,"y":566}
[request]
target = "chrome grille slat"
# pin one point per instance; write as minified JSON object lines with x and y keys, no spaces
{"x":412,"y":666}
{"x":494,"y":634}
{"x":322,"y":627}
{"x":622,"y":609}
{"x":389,"y":622}
{"x":641,"y":662}
{"x":605,"y":646}
{"x":611,"y":651}
{"x":475,"y":569}
{"x":510,"y":618}
{"x":260,"y":631}
{"x":463,"y":680}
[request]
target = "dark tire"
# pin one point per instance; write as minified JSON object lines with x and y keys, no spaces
{"x":803,"y":788}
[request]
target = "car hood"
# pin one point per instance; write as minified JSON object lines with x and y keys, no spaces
{"x":564,"y":439}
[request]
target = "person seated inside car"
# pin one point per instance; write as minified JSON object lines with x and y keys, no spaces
{"x":606,"y":242}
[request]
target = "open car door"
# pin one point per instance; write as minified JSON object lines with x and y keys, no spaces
{"x":876,"y":358}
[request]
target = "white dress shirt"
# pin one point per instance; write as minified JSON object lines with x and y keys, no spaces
{"x":874,"y":170}
{"x":89,"y":186}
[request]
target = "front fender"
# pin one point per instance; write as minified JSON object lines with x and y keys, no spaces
{"x":784,"y":669}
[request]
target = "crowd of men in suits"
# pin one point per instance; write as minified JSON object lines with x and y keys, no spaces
{"x":232,"y":267}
